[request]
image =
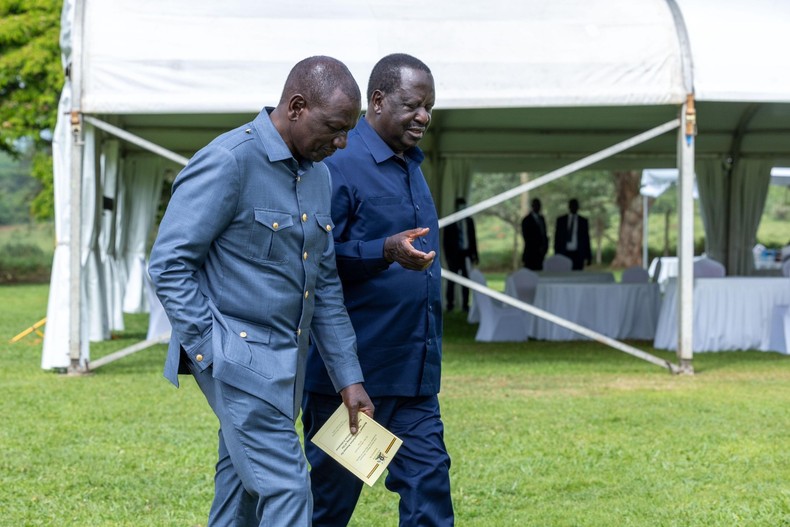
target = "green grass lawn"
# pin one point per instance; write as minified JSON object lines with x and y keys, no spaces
{"x":540,"y":433}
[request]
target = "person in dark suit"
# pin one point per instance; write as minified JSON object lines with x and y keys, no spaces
{"x":387,"y":245}
{"x":536,"y":239}
{"x":460,"y":243}
{"x":572,"y":237}
{"x":244,"y":264}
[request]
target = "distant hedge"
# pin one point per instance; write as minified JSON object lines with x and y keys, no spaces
{"x":24,"y":263}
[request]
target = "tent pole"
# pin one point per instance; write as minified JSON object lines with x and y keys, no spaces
{"x":686,"y":136}
{"x":75,"y":208}
{"x":644,"y":232}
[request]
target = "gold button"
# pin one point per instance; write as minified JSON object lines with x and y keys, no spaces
{"x":328,"y":227}
{"x":275,"y":225}
{"x":304,"y":256}
{"x":243,"y":334}
{"x":306,"y":294}
{"x":298,"y":331}
{"x":304,"y":217}
{"x":199,"y":357}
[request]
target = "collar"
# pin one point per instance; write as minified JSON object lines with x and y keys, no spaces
{"x":380,"y":150}
{"x":273,"y":143}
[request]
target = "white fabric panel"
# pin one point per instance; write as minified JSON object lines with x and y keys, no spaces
{"x":94,"y":303}
{"x":233,"y":56}
{"x":732,"y":313}
{"x":620,"y":311}
{"x":739,"y":49}
{"x":142,"y":179}
{"x":107,"y":237}
{"x":780,"y":330}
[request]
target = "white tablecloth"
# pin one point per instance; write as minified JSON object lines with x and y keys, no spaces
{"x":732,"y":313}
{"x":587,"y":277}
{"x":621,"y":311}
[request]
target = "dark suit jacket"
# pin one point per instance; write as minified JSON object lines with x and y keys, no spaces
{"x":452,"y":252}
{"x":562,"y":235}
{"x":536,"y":241}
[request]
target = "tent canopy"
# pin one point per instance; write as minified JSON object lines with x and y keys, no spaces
{"x":527,"y":85}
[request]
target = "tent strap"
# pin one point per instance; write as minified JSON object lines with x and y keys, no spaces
{"x":560,"y":172}
{"x":581,"y":330}
{"x":136,"y":140}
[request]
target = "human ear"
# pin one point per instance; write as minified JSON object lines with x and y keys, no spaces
{"x":296,"y":104}
{"x":376,"y":101}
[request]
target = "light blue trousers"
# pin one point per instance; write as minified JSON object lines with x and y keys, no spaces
{"x":261,"y":477}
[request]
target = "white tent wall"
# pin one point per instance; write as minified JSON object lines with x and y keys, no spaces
{"x":527,"y":85}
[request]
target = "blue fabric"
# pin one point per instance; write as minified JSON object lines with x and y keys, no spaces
{"x":244,"y":265}
{"x":419,"y":472}
{"x":261,"y":477}
{"x":396,"y":312}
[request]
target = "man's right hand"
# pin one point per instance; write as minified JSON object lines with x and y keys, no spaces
{"x":399,"y":248}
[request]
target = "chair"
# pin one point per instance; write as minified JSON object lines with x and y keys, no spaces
{"x":557,"y":263}
{"x":635,"y":275}
{"x":708,"y":268}
{"x":522,"y":284}
{"x":498,"y":323}
{"x":786,"y":268}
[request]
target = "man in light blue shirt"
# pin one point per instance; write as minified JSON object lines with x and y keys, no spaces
{"x":244,"y":265}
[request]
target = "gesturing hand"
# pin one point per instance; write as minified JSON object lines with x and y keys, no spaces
{"x":399,"y":248}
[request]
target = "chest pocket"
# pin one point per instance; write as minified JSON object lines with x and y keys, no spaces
{"x":269,"y":236}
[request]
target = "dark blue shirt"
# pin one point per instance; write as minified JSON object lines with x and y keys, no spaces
{"x":396,"y":313}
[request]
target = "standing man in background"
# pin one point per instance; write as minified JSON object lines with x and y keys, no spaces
{"x":536,"y":239}
{"x":572,"y":236}
{"x":387,"y":238}
{"x":460,"y":245}
{"x":244,"y":265}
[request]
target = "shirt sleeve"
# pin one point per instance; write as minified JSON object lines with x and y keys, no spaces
{"x":357,"y":260}
{"x":203,"y":203}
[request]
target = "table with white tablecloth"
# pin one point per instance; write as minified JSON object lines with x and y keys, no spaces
{"x":731,"y":313}
{"x":587,"y":277}
{"x":617,"y":310}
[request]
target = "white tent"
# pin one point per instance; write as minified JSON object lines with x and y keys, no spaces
{"x":521,"y":85}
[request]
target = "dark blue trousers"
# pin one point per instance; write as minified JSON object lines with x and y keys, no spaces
{"x":419,"y":472}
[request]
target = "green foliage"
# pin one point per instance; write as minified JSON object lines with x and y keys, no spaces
{"x":24,"y":262}
{"x":31,"y":78}
{"x":17,"y":189}
{"x":540,"y":434}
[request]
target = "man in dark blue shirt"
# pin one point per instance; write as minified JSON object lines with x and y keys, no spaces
{"x":386,"y":242}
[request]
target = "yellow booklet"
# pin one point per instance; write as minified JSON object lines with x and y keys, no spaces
{"x":367,"y":453}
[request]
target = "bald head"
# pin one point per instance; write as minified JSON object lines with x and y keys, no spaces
{"x":319,"y":105}
{"x":317,"y":78}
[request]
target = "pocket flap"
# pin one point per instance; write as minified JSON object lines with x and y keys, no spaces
{"x":249,"y":331}
{"x":325,"y":222}
{"x":274,"y":219}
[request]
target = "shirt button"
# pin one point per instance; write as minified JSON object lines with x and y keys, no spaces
{"x":429,"y":342}
{"x":417,"y":207}
{"x":306,"y":294}
{"x":304,"y":217}
{"x":243,"y":334}
{"x":304,"y":256}
{"x":199,"y":357}
{"x":275,"y":225}
{"x":328,"y":227}
{"x":298,"y":331}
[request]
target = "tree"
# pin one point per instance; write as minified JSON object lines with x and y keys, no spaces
{"x":31,"y":78}
{"x":629,"y":201}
